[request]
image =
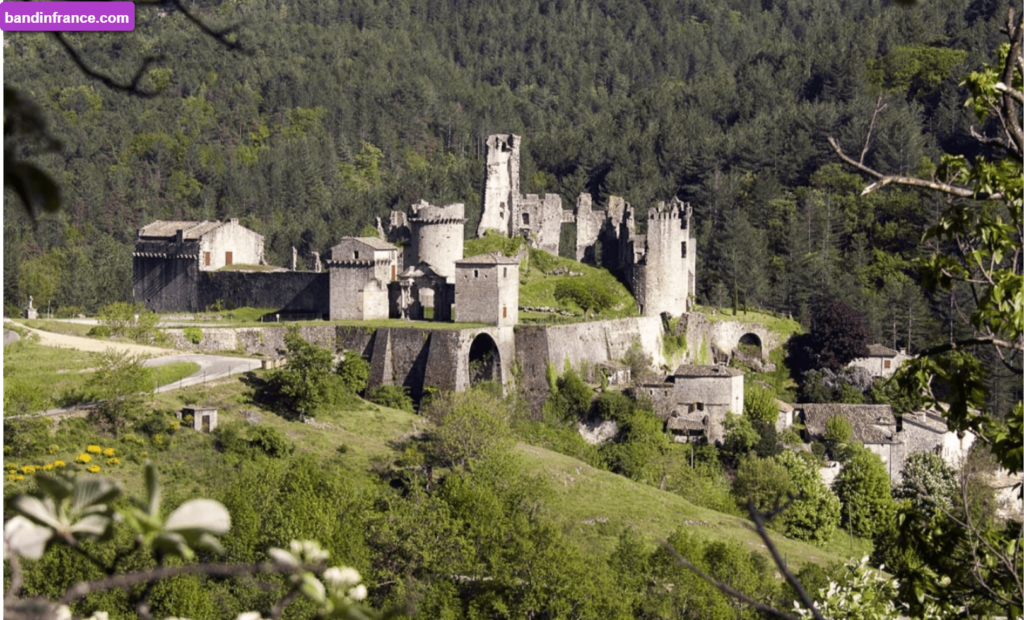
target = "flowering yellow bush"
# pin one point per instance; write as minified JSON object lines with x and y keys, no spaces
{"x":48,"y":467}
{"x":15,"y":477}
{"x":113,"y":461}
{"x":143,"y":453}
{"x":28,"y":469}
{"x":108,"y":452}
{"x":53,"y":448}
{"x":59,"y":464}
{"x":83,"y":458}
{"x":93,"y":468}
{"x":94,"y":449}
{"x":7,"y":449}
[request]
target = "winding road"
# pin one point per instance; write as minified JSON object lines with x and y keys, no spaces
{"x":211,"y":367}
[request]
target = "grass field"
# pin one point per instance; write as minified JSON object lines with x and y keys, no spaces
{"x":38,"y":378}
{"x":59,"y":327}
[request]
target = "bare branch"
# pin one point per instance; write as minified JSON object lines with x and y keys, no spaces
{"x":222,"y":36}
{"x":884,"y":180}
{"x":727,"y":589}
{"x":781,"y":564}
{"x":131,"y":88}
{"x":971,"y":342}
{"x":83,"y":588}
{"x":879,"y":108}
{"x":1012,"y":123}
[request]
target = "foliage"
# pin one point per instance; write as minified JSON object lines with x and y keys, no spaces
{"x":813,"y":513}
{"x":588,"y":298}
{"x":133,"y":321}
{"x":838,"y":431}
{"x":468,"y":426}
{"x":762,"y":484}
{"x":614,"y":406}
{"x":394,"y":396}
{"x":864,"y":489}
{"x":354,"y":371}
{"x":572,"y":400}
{"x":252,"y":440}
{"x":838,"y":335}
{"x":306,"y":382}
{"x":759,"y":403}
{"x":193,"y":334}
{"x":928,"y":483}
{"x":740,"y":435}
{"x":641,"y":447}
{"x":119,"y":381}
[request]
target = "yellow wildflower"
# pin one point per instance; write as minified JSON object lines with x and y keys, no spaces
{"x":113,"y":461}
{"x":108,"y":452}
{"x":93,"y":468}
{"x":59,"y":464}
{"x":48,"y":467}
{"x":94,"y":449}
{"x":28,"y":469}
{"x":83,"y":458}
{"x":53,"y":448}
{"x":19,"y":477}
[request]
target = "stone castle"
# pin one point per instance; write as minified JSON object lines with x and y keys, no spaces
{"x":415,"y":269}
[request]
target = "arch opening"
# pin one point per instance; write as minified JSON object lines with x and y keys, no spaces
{"x":484,"y":360}
{"x":750,"y":346}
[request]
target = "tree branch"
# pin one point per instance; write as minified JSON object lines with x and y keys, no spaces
{"x":971,"y":342}
{"x":879,"y":108}
{"x":83,"y":588}
{"x":729,"y":590}
{"x":131,"y":88}
{"x":781,"y":564}
{"x":884,"y":180}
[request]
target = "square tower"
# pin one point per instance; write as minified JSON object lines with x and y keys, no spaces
{"x":501,"y":189}
{"x":487,"y":290}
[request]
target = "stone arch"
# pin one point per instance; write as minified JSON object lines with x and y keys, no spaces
{"x":749,"y":340}
{"x":484,"y":360}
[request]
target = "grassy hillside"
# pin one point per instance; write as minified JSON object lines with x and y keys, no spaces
{"x":540,"y":273}
{"x":592,"y":506}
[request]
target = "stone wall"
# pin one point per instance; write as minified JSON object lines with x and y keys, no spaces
{"x":593,"y":343}
{"x":711,"y":341}
{"x":437,"y":236}
{"x":287,"y":291}
{"x":166,"y":284}
{"x":541,"y":218}
{"x":355,"y":292}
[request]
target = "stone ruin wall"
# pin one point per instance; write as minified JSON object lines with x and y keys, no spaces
{"x":501,"y":188}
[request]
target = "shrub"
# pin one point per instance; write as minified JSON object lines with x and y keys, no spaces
{"x":99,"y":331}
{"x":587,"y":295}
{"x":467,"y":426}
{"x":394,"y":396}
{"x":251,"y":441}
{"x":615,"y":406}
{"x":863,"y":487}
{"x":354,"y":371}
{"x":763,"y":483}
{"x":759,"y":404}
{"x":814,"y":514}
{"x":26,"y":437}
{"x":133,"y":321}
{"x":193,"y":334}
{"x":571,"y":401}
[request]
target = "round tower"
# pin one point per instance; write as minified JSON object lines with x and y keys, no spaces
{"x":437,"y":236}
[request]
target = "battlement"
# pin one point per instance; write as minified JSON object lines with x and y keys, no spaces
{"x":358,"y":263}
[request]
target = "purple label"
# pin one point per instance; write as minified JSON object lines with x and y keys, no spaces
{"x":67,"y":16}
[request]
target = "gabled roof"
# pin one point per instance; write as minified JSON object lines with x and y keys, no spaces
{"x":686,"y":422}
{"x":926,"y":420}
{"x":494,"y":258}
{"x":168,"y":229}
{"x":877,"y":350}
{"x":688,"y":370}
{"x":420,"y":270}
{"x":871,"y":423}
{"x":374,"y":242}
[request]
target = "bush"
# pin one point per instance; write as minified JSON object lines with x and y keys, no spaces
{"x":759,"y":404}
{"x":762,"y":483}
{"x":133,"y":321}
{"x":306,"y":382}
{"x":157,"y":423}
{"x":354,"y":371}
{"x":587,"y":295}
{"x":615,"y":406}
{"x":99,"y":331}
{"x":572,"y":399}
{"x":468,"y":426}
{"x":814,"y":514}
{"x":26,"y":437}
{"x":251,"y":441}
{"x":193,"y":334}
{"x":394,"y":396}
{"x":863,"y":488}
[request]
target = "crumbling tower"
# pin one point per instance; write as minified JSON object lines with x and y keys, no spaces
{"x":501,"y":189}
{"x":665,"y":277}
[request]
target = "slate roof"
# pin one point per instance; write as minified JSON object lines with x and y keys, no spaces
{"x":930,"y":421}
{"x":168,"y":229}
{"x":373,"y":242}
{"x":687,"y":370}
{"x":685,"y":423}
{"x":494,"y":258}
{"x":866,"y":420}
{"x":877,"y":350}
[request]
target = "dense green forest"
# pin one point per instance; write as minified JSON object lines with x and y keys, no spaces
{"x":336,"y":112}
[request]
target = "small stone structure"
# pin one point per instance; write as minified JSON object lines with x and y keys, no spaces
{"x":694,"y":400}
{"x":204,"y":419}
{"x":30,"y":311}
{"x":881,"y":361}
{"x":487,"y":289}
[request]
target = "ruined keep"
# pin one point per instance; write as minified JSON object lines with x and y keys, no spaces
{"x":660,"y":267}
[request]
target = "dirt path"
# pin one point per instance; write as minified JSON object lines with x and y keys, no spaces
{"x":63,"y":341}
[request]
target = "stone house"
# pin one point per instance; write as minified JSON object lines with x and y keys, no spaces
{"x":881,"y":361}
{"x":383,"y":255}
{"x":169,"y":255}
{"x":487,"y":290}
{"x":927,"y":431}
{"x":872,"y":425}
{"x":696,"y":397}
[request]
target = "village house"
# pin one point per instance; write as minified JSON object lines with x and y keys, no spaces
{"x":881,"y":361}
{"x":693,"y":401}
